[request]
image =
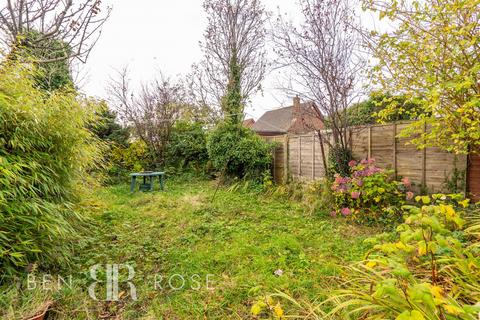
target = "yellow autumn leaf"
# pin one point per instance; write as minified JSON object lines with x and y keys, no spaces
{"x":453,"y":309}
{"x":426,"y":199}
{"x":464,"y":203}
{"x":410,"y":315}
{"x":449,"y":211}
{"x":256,"y":309}
{"x":400,"y":245}
{"x":422,"y":248}
{"x":437,"y":292}
{"x":371,"y":264}
{"x":278,"y":311}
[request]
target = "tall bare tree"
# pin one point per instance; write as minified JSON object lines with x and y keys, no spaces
{"x":234,"y":53}
{"x":198,"y":96}
{"x":151,"y":112}
{"x":74,"y":26}
{"x":322,"y":55}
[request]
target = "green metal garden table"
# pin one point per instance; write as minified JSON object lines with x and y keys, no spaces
{"x":147,"y":175}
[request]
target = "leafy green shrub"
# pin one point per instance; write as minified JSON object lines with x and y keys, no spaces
{"x":50,"y":76}
{"x":115,"y":137}
{"x":370,"y":195}
{"x":430,"y":271}
{"x":45,"y":154}
{"x":238,"y":152}
{"x":106,"y":127}
{"x":127,"y":159}
{"x":366,"y":112}
{"x":187,"y":148}
{"x":455,"y":182}
{"x":338,"y":159}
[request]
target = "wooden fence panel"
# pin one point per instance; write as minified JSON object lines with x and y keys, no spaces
{"x":307,"y":157}
{"x":319,"y":170}
{"x":440,"y":166}
{"x":409,"y":159}
{"x":300,"y":156}
{"x":382,"y":145}
{"x":293,"y":158}
{"x":279,"y":165}
{"x":360,"y":142}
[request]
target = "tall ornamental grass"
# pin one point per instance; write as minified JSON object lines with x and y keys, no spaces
{"x":45,"y":156}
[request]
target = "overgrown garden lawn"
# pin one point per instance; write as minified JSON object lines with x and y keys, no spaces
{"x":238,"y":238}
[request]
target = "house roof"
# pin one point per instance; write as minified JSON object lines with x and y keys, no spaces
{"x":278,"y":120}
{"x":248,"y":123}
{"x":281,"y":120}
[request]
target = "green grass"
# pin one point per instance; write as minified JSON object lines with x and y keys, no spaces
{"x":239,"y":238}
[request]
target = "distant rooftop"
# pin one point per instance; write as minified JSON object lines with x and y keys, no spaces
{"x":280,"y":121}
{"x":248,"y":123}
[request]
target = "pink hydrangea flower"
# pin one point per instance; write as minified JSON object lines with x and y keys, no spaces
{"x":359,"y":182}
{"x":371,"y":170}
{"x":371,"y":161}
{"x":360,"y":173}
{"x":352,"y":163}
{"x":333,"y":214}
{"x":355,"y":194}
{"x":406,"y":182}
{"x":342,"y":180}
{"x":346,"y":211}
{"x":410,"y":195}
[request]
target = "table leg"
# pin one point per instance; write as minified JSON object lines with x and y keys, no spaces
{"x":132,"y":184}
{"x":150,"y":179}
{"x":161,"y":181}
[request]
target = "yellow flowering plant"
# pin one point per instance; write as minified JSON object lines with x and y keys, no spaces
{"x":430,"y":271}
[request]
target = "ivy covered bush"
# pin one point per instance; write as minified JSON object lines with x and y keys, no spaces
{"x":338,"y":160}
{"x":46,"y":153}
{"x":370,"y":195}
{"x":237,"y":152}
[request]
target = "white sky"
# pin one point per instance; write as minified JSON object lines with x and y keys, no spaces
{"x":152,"y":35}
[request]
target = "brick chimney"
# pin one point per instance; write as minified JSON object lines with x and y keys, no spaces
{"x":297,"y":112}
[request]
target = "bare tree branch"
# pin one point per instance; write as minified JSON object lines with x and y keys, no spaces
{"x":76,"y":24}
{"x":152,"y":111}
{"x":322,"y":52}
{"x":235,"y":27}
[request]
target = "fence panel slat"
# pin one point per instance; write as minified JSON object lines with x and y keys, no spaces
{"x":300,"y":156}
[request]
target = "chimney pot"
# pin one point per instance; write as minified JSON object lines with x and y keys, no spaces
{"x":296,"y":107}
